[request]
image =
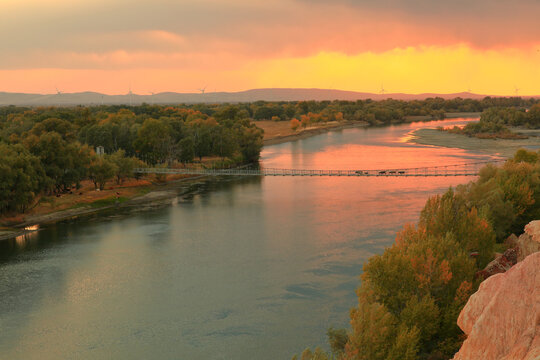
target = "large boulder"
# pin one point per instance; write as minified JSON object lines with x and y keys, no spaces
{"x":502,"y":319}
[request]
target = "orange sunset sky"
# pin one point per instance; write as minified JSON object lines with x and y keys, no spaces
{"x":413,"y":46}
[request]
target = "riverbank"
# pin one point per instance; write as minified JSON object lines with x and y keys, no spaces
{"x":146,"y":194}
{"x":279,"y":132}
{"x":138,"y":192}
{"x":500,"y":147}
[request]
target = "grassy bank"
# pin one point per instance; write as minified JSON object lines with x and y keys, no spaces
{"x":88,"y":201}
{"x":502,"y":147}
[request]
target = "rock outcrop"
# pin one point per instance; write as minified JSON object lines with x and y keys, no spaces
{"x":501,"y":264}
{"x":529,"y":242}
{"x":519,"y":248}
{"x":502,"y":319}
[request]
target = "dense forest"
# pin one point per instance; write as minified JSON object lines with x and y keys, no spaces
{"x":51,"y":150}
{"x":494,"y":122}
{"x":412,"y":294}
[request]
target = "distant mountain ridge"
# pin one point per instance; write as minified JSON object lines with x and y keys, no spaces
{"x":276,"y":94}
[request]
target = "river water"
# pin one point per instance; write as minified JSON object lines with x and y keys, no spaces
{"x":249,"y":268}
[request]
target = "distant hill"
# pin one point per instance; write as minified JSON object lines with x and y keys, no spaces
{"x":278,"y":94}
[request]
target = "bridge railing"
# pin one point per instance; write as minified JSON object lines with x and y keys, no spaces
{"x":464,"y":169}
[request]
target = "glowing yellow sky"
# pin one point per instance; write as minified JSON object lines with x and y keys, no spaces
{"x":164,"y":45}
{"x":413,"y":70}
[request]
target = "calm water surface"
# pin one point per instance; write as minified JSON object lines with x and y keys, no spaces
{"x":250,"y":268}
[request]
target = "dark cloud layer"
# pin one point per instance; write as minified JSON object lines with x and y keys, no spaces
{"x":254,"y":29}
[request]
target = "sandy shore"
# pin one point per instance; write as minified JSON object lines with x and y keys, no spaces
{"x":501,"y":147}
{"x":312,"y":131}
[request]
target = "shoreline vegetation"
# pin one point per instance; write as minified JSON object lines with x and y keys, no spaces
{"x":501,"y":147}
{"x":500,"y":131}
{"x":501,"y":123}
{"x":411,"y":295}
{"x":148,"y":191}
{"x":218,"y":135}
{"x":137,"y":192}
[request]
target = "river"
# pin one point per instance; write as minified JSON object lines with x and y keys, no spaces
{"x":248,"y":268}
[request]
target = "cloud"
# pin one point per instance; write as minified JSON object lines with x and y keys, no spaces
{"x":257,"y":29}
{"x":227,"y":39}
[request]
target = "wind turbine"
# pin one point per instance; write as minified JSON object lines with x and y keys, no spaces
{"x":516,"y":90}
{"x":58,"y":92}
{"x":382,"y":91}
{"x":203,"y":89}
{"x":130,"y":96}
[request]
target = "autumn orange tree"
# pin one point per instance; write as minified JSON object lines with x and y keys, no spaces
{"x":295,"y":123}
{"x":412,"y":294}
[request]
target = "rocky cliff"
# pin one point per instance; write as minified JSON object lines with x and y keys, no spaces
{"x":502,"y":319}
{"x":519,"y":248}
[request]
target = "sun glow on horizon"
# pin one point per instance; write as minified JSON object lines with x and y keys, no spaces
{"x":413,"y":70}
{"x":434,"y":69}
{"x":406,"y":46}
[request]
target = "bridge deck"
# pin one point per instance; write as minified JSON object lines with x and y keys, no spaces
{"x":467,"y":169}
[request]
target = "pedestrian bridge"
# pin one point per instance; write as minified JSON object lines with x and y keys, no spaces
{"x":463,"y":169}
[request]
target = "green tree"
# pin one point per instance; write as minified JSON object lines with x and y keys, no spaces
{"x":523,"y":155}
{"x":63,"y":127}
{"x":405,"y":346}
{"x":153,"y":141}
{"x":373,"y":332}
{"x":21,"y":178}
{"x":251,"y":143}
{"x":203,"y":134}
{"x":187,"y":152}
{"x":124,"y":165}
{"x":449,"y":214}
{"x":533,"y":116}
{"x":225,"y":144}
{"x":101,"y":170}
{"x":64,"y":163}
{"x":422,"y":314}
{"x":337,"y":338}
{"x":413,"y":281}
{"x":508,"y":196}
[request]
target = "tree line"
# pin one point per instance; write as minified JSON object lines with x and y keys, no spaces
{"x":56,"y":145}
{"x":411,"y":295}
{"x":51,"y":150}
{"x":373,"y":112}
{"x":494,"y":122}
